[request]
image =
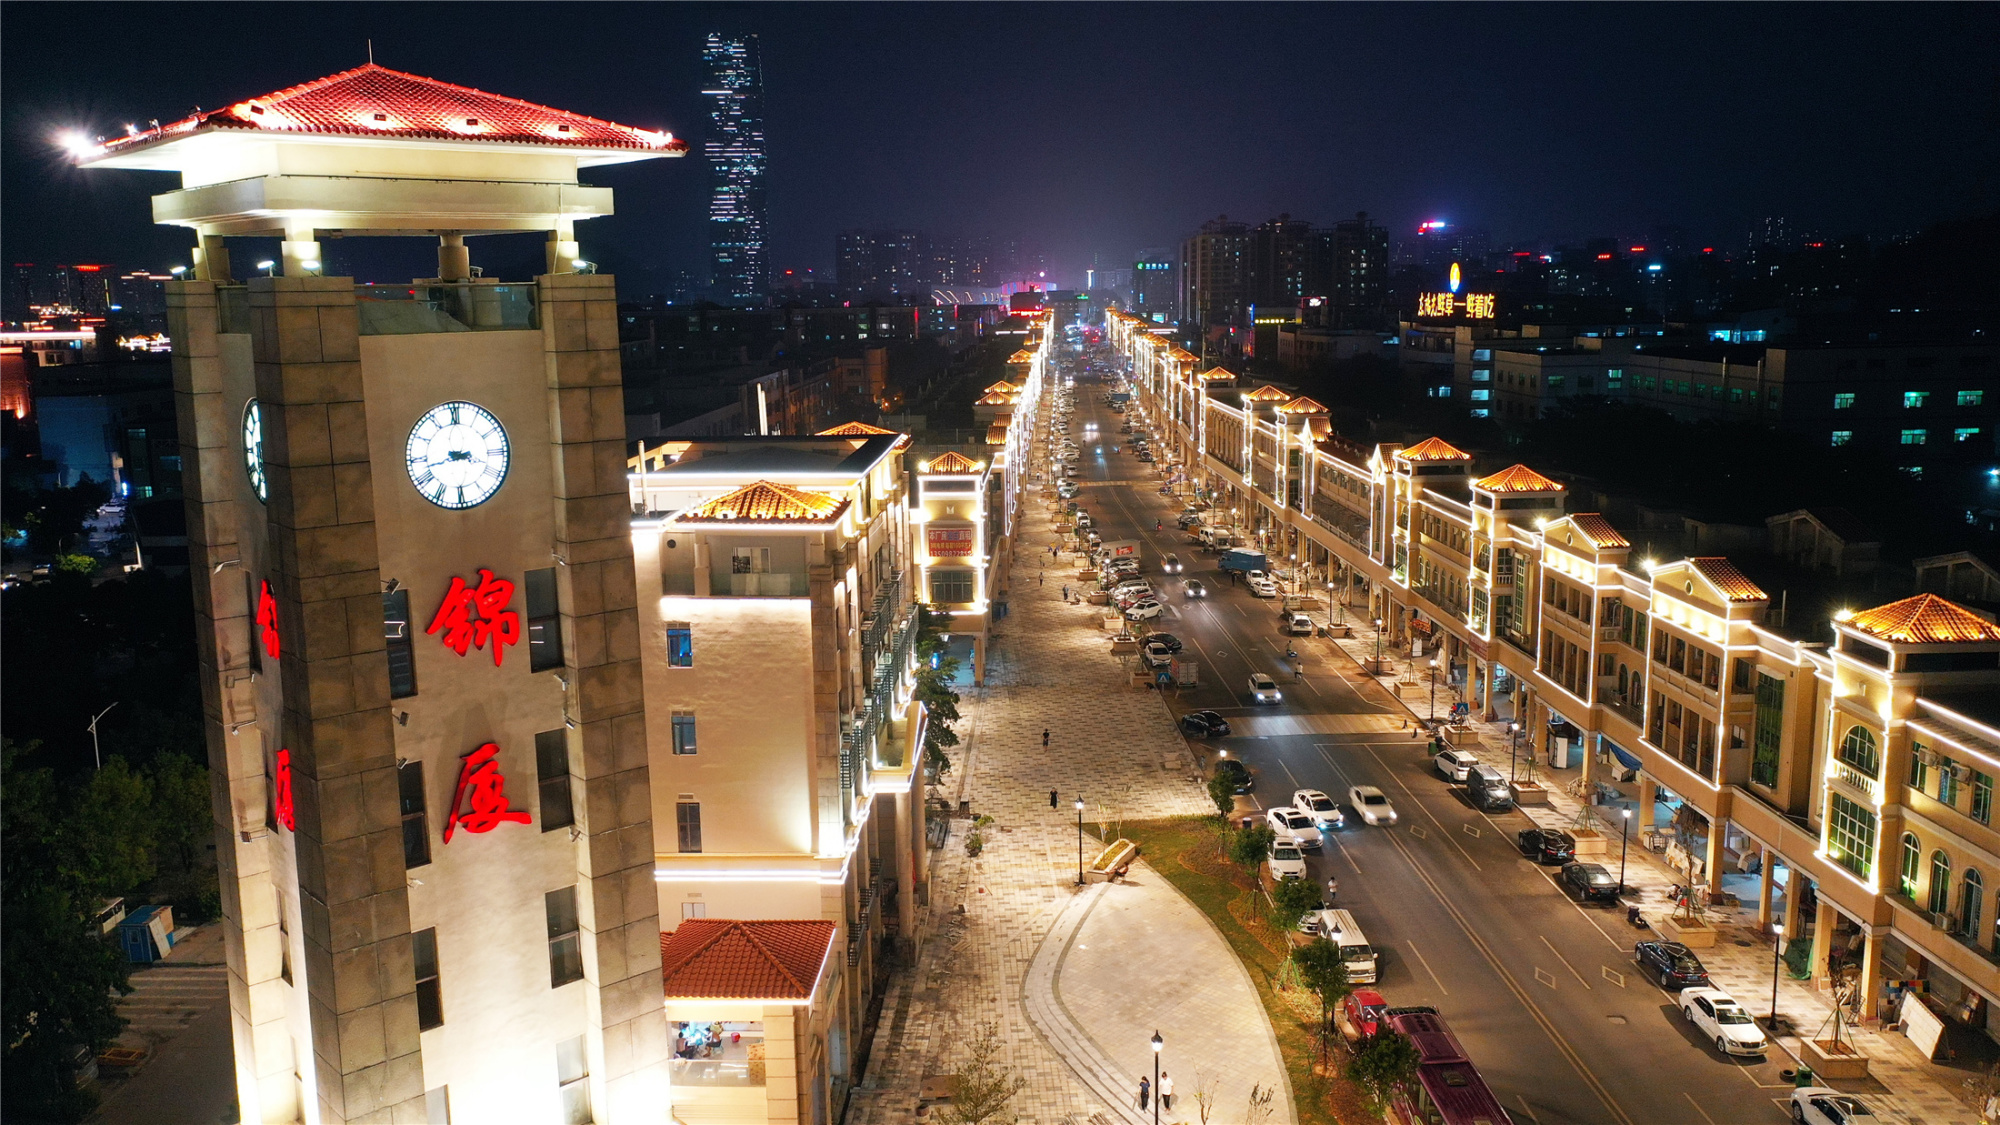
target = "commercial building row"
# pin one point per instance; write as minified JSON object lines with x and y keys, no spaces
{"x":1851,"y":769}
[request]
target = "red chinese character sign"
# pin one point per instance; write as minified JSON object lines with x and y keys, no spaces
{"x":480,"y":801}
{"x":267,"y":619}
{"x":472,"y":616}
{"x":281,"y":796}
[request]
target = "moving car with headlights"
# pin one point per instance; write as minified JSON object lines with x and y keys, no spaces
{"x":1195,"y":588}
{"x":1723,"y":1021}
{"x":1823,"y":1105}
{"x":1288,"y":821}
{"x":1372,"y":804}
{"x":1170,"y":564}
{"x":1285,"y":859}
{"x":1264,"y":689}
{"x":1324,"y":810}
{"x":1546,"y":845}
{"x":1204,"y":724}
{"x":1453,"y":765}
{"x":1671,"y":964}
{"x":1589,"y":882}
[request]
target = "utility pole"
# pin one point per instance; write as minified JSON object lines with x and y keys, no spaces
{"x":94,"y":752}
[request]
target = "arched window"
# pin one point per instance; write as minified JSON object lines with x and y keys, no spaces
{"x":1970,"y":900}
{"x":1940,"y":882}
{"x":1912,"y":856}
{"x":1858,"y":750}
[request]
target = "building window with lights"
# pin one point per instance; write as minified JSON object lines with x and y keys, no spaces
{"x":1851,"y":835}
{"x":1971,"y":398}
{"x":683,"y":724}
{"x":1842,"y":437}
{"x":1906,"y":880}
{"x":1914,"y":400}
{"x":680,"y":644}
{"x":1843,"y":401}
{"x":1859,"y":750}
{"x":1915,"y":437}
{"x":1965,"y":433}
{"x":1940,"y":897}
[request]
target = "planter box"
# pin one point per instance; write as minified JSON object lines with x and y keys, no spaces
{"x":1695,"y":935}
{"x":1529,"y":793}
{"x":1590,"y":842}
{"x":1829,"y":1059}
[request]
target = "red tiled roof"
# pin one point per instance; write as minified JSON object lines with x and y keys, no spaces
{"x":1734,"y":584}
{"x":1217,"y":373}
{"x":1925,"y":619}
{"x":373,"y":100}
{"x":1599,"y":530}
{"x":1302,"y":405}
{"x":952,"y":462}
{"x":725,"y":959}
{"x":767,"y":501}
{"x":1182,"y":355}
{"x":1268,"y":393}
{"x":1433,"y":449}
{"x":1518,"y":478}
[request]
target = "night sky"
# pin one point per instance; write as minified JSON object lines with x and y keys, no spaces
{"x":1095,"y":130}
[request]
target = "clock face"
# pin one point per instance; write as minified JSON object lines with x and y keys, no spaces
{"x":253,"y":449}
{"x":457,"y":455}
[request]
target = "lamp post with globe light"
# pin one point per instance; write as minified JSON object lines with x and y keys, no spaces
{"x":1158,"y":1043}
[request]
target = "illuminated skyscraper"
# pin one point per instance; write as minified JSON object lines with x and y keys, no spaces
{"x":738,"y":271}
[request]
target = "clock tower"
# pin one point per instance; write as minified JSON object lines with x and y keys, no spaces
{"x":408,"y":520}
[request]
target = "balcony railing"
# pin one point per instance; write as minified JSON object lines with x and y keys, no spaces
{"x":1861,"y":783}
{"x":1627,"y":708}
{"x":396,"y":310}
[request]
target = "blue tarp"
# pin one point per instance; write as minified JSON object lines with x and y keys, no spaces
{"x":1627,"y":760}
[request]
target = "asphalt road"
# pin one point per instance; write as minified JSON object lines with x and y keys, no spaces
{"x":1542,"y":992}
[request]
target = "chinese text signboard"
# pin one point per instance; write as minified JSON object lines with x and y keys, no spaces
{"x":267,"y":620}
{"x":479,"y":804}
{"x":949,"y":542}
{"x":1472,"y":306}
{"x":472,"y":616}
{"x":281,"y":794}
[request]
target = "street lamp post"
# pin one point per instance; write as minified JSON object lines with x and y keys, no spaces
{"x":1624,"y":839}
{"x":1513,"y":749}
{"x":1378,"y":647}
{"x":1157,"y":1044}
{"x":1434,"y":690}
{"x":1329,"y":608}
{"x":93,"y":735}
{"x":1777,"y":955}
{"x":1079,"y":841}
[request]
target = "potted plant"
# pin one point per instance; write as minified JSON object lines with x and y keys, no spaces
{"x":1588,"y":830}
{"x":1832,"y":1056}
{"x":1687,"y":922}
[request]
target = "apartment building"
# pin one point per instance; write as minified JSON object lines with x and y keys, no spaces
{"x":1850,"y":768}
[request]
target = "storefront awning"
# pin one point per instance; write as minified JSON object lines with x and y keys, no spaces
{"x":1629,"y":761}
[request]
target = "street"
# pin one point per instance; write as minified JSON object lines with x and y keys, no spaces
{"x":1543,"y":993}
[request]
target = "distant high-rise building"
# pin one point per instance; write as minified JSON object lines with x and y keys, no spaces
{"x":881,"y":263}
{"x":1358,"y":277}
{"x":1213,"y":274}
{"x":1153,"y":285}
{"x":738,"y":269}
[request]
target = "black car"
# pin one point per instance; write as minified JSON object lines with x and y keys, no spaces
{"x":1547,"y":845}
{"x":1588,"y":881}
{"x":1237,"y":773}
{"x":1172,"y":642}
{"x":1670,"y":963}
{"x":1204,"y":724}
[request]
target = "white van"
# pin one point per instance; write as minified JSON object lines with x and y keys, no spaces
{"x":1339,"y":927}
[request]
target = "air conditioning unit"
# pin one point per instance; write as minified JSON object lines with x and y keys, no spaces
{"x":1944,"y":921}
{"x":1961,"y":771}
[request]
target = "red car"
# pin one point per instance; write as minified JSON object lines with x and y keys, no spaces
{"x":1363,"y":1014}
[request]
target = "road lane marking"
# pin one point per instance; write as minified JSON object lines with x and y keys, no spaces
{"x":1697,"y":1107}
{"x":1471,"y":829}
{"x":1543,"y":976}
{"x":1420,"y":832}
{"x":1565,"y":961}
{"x":1428,"y":969}
{"x":1612,"y":975}
{"x":1527,"y":1109}
{"x":1424,"y":808}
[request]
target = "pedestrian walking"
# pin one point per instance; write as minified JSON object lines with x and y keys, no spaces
{"x":1065,"y":592}
{"x":1045,"y":738}
{"x":1145,"y":1092}
{"x":1166,"y":1091}
{"x":1039,"y":576}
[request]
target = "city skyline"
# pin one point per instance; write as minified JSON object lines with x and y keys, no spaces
{"x":739,"y":267}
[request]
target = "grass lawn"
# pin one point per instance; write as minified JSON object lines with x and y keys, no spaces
{"x":1184,"y":851}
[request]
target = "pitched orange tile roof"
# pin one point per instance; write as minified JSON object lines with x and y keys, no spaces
{"x":1433,"y":449}
{"x":1734,"y":584}
{"x":1022,"y":356}
{"x":853,"y":429}
{"x":374,"y":101}
{"x":1302,"y":405}
{"x":952,"y":462}
{"x":1003,"y":386}
{"x":1517,"y":478}
{"x":1925,"y":619}
{"x":1599,"y":530}
{"x":767,"y":501}
{"x":724,"y":959}
{"x":1182,"y":355}
{"x":1217,"y":373}
{"x":1268,"y":393}
{"x":997,"y":398}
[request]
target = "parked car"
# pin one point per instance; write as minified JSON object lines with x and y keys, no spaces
{"x":1589,"y":882}
{"x":1172,"y":642}
{"x":1145,"y":455}
{"x":1195,"y":588}
{"x":1288,"y":821}
{"x":1157,"y":656}
{"x":1547,"y":845}
{"x":1453,"y":765}
{"x":1170,"y":564}
{"x":1144,"y":611}
{"x":1719,"y":1017}
{"x":1238,"y":775}
{"x":1298,"y":625}
{"x":1264,"y":689}
{"x":1286,"y":860}
{"x":1262,"y":587}
{"x":1323,"y":809}
{"x":1204,"y":724}
{"x":1823,"y":1105}
{"x":1372,"y":804}
{"x":1671,"y":964}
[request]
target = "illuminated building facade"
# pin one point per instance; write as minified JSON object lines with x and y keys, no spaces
{"x":1863,"y":764}
{"x":739,"y":271}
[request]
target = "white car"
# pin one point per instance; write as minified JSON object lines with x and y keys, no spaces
{"x":1264,"y":689}
{"x":1144,"y":611}
{"x":1324,"y":810}
{"x":1823,"y":1105}
{"x":1171,"y":564}
{"x":1372,"y":804}
{"x":1723,"y":1020}
{"x":1262,"y":587}
{"x":1286,"y":860}
{"x":1454,"y":765}
{"x":1195,"y":588}
{"x":1288,"y":821}
{"x":1157,"y":656}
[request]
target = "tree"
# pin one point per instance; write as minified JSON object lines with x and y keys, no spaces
{"x":1290,"y":900}
{"x":1251,"y":845}
{"x":1324,"y":970}
{"x":1222,"y":790}
{"x":1206,"y":1088}
{"x":1382,"y":1062}
{"x":1259,"y":1109}
{"x":982,"y":1087}
{"x":935,"y":669}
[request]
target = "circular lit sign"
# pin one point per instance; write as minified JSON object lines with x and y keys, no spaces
{"x":1454,"y":277}
{"x":457,"y":455}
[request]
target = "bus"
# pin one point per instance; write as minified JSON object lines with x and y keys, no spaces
{"x":1447,"y":1089}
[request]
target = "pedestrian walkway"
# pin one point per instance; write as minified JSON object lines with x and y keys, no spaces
{"x":1902,"y":1083}
{"x":178,"y":1015}
{"x":1077,"y":981}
